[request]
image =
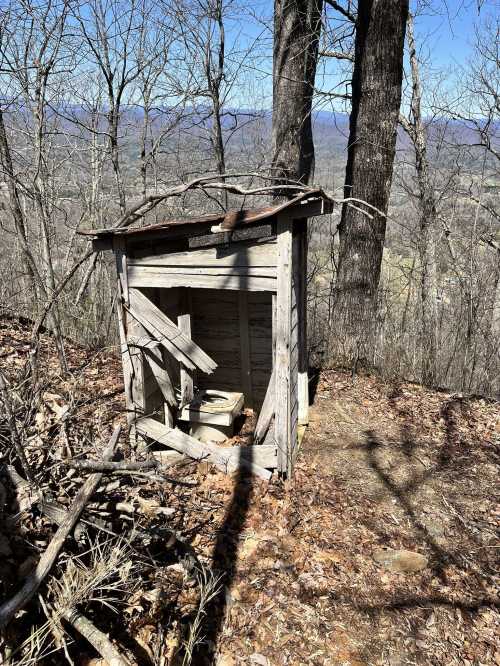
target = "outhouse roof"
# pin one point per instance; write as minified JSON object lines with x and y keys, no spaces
{"x":229,"y":220}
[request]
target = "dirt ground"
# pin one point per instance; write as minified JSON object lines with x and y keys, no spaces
{"x":382,"y":466}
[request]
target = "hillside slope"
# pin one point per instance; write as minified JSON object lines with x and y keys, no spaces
{"x":312,"y":568}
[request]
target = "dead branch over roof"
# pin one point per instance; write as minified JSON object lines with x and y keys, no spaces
{"x":227,"y":221}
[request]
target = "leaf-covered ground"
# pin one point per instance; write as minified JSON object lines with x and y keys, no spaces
{"x":383,"y":466}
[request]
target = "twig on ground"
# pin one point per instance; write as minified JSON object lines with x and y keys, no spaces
{"x":33,"y":582}
{"x":108,"y":466}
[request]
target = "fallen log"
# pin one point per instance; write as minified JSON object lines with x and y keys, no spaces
{"x":33,"y":582}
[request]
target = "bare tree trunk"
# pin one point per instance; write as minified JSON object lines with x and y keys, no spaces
{"x":113,"y":122}
{"x":215,"y":78}
{"x":41,"y":195}
{"x":428,"y":295}
{"x":427,"y":223}
{"x":144,"y":157}
{"x":376,"y":98}
{"x":297,"y":26}
{"x":17,"y":214}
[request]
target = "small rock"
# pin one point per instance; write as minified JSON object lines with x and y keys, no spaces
{"x":434,"y":527}
{"x":257,"y":658}
{"x":400,"y":561}
{"x":313,"y":584}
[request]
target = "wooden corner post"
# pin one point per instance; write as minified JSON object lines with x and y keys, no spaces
{"x":283,"y":430}
{"x":301,"y":281}
{"x":133,"y":375}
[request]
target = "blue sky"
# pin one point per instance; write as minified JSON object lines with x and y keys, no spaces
{"x":444,"y":33}
{"x":447,"y":36}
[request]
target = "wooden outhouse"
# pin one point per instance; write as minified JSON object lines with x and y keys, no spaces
{"x":216,"y":306}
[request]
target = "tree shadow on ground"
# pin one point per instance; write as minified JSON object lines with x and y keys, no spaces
{"x":314,"y":375}
{"x":453,"y":459}
{"x":459,"y":559}
{"x":441,"y":556}
{"x":224,"y":562}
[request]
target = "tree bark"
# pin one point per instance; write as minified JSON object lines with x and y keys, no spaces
{"x":376,"y":98}
{"x":297,"y":25}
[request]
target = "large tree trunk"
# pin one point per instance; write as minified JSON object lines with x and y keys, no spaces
{"x":297,"y":25}
{"x":376,"y":98}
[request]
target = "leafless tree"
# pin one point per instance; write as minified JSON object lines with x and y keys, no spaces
{"x":297,"y":26}
{"x":34,"y":60}
{"x":376,"y":97}
{"x":417,"y":132}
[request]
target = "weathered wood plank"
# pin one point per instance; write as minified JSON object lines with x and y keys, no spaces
{"x":294,"y":347}
{"x":282,"y":430}
{"x":139,"y":278}
{"x":266,"y":411}
{"x":184,"y":323}
{"x":218,"y":456}
{"x":246,"y":370}
{"x":303,"y":379}
{"x":312,"y":209}
{"x":126,"y":360}
{"x":137,"y":316}
{"x":154,"y":357}
{"x":212,"y":271}
{"x":165,"y":331}
{"x":242,"y":234}
{"x":235,"y":255}
{"x":120,"y":251}
{"x":138,"y":387}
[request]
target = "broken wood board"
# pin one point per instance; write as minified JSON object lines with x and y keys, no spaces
{"x":168,"y":334}
{"x":224,"y":459}
{"x":267,"y":410}
{"x":154,"y":357}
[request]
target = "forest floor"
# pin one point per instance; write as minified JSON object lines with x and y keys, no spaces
{"x":312,"y":570}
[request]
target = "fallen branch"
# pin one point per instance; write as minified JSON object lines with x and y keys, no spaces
{"x":205,"y":183}
{"x":107,"y":466}
{"x":58,"y":514}
{"x":33,"y":582}
{"x":97,"y":639}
